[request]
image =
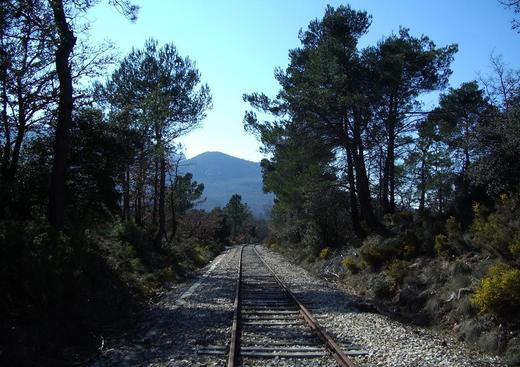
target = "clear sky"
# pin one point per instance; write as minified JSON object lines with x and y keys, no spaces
{"x":237,"y":44}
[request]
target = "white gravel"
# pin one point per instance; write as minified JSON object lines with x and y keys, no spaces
{"x":259,"y":285}
{"x":389,"y":343}
{"x":172,"y":330}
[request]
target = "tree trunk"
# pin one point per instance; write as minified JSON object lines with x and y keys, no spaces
{"x":466,"y":160}
{"x":15,"y":157}
{"x":4,"y":190}
{"x":389,"y":173}
{"x":162,"y":215}
{"x":354,"y":214}
{"x":363,"y":190}
{"x":391,"y":170}
{"x":56,"y":209}
{"x":5,"y":122}
{"x":136,"y":206}
{"x":126,"y":194}
{"x":422,"y":185}
{"x":440,"y":200}
{"x":155,"y":189}
{"x":173,"y":190}
{"x":381,"y":183}
{"x":365,"y":201}
{"x":174,"y":222}
{"x":139,"y":206}
{"x":385,"y":203}
{"x":140,"y":183}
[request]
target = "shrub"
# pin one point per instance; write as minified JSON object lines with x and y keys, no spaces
{"x":350,"y":264}
{"x":514,"y":249}
{"x":497,"y":232}
{"x":310,"y":238}
{"x":150,"y":283}
{"x":383,"y":288}
{"x":442,"y":244}
{"x":450,"y":243}
{"x":325,"y":253}
{"x":397,"y":270}
{"x":512,"y":353}
{"x":371,"y":252}
{"x":499,"y":291}
{"x":388,"y":219}
{"x":166,"y":275}
{"x":453,"y":229}
{"x":140,"y":239}
{"x":408,"y":249}
{"x":372,"y":256}
{"x":406,"y":215}
{"x":376,"y":252}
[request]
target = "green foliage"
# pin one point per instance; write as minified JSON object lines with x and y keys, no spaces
{"x":325,"y":253}
{"x":373,"y":254}
{"x":140,"y":240}
{"x":461,"y":111}
{"x":498,"y":232}
{"x":58,"y":281}
{"x":97,"y":158}
{"x":514,"y":249}
{"x":350,"y":264}
{"x":498,"y":166}
{"x":310,"y":238}
{"x":499,"y":291}
{"x":450,"y":243}
{"x":409,"y":247}
{"x":397,"y":270}
{"x":166,"y":275}
{"x":236,"y":214}
{"x":453,"y":229}
{"x":383,"y":288}
{"x":150,"y":284}
{"x":377,"y":251}
{"x":442,"y":244}
{"x":185,"y":192}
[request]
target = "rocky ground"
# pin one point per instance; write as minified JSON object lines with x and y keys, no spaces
{"x":184,"y":320}
{"x":388,"y":342}
{"x":198,"y":315}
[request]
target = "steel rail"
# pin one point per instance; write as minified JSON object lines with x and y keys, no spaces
{"x":331,"y":345}
{"x":233,"y":345}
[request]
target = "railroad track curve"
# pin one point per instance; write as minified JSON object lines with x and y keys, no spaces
{"x":270,"y":322}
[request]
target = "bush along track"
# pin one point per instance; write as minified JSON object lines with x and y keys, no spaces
{"x":182,"y":322}
{"x":461,"y":279}
{"x":374,"y":322}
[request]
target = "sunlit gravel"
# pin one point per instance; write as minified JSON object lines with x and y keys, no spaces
{"x":388,"y":342}
{"x":171,"y":335}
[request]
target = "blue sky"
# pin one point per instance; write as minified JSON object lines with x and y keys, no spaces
{"x":237,"y":44}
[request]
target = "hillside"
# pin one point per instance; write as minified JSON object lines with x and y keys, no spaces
{"x":224,"y":175}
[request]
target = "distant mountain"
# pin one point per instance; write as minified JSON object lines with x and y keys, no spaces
{"x":224,"y":175}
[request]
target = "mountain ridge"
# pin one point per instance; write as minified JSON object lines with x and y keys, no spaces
{"x":224,"y":175}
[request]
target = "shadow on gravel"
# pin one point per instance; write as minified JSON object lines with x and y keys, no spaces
{"x":339,"y":300}
{"x":168,"y":336}
{"x":165,"y":335}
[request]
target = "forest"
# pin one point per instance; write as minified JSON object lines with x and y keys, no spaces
{"x":416,"y":204}
{"x":97,"y":216}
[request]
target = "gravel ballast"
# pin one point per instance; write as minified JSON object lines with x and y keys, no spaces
{"x":287,"y":334}
{"x":198,"y":315}
{"x":174,"y":328}
{"x":388,"y":342}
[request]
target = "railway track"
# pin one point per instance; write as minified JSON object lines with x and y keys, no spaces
{"x":270,"y":322}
